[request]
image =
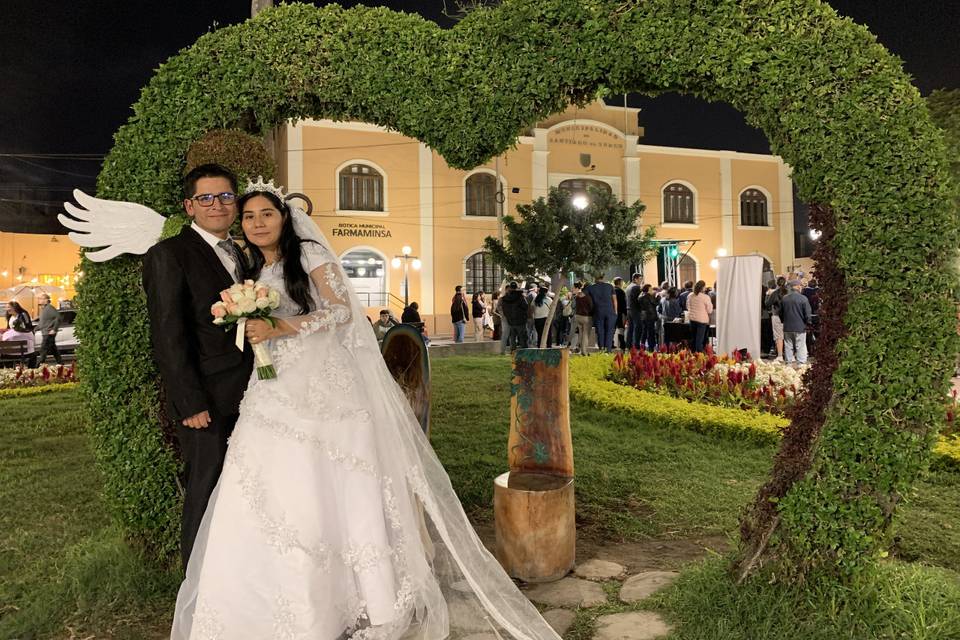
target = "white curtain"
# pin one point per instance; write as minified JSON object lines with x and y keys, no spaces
{"x":739,"y":287}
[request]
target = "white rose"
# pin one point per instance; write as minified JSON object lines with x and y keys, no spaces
{"x":274,"y":297}
{"x":262,"y":303}
{"x":247,"y":305}
{"x":235,"y":291}
{"x":218,"y":321}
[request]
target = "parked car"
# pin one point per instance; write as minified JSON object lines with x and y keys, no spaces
{"x":66,"y":340}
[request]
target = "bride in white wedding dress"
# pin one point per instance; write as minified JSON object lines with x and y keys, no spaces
{"x":333,"y":517}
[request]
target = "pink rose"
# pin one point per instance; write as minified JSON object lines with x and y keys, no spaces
{"x":219,"y":310}
{"x":225,"y":296}
{"x":233,"y":308}
{"x":262,"y":292}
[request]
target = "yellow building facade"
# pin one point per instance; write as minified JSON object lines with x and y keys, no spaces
{"x":375,"y":192}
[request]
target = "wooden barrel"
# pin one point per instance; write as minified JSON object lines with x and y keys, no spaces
{"x":535,"y":526}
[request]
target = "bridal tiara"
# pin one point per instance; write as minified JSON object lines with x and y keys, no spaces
{"x":268,"y":186}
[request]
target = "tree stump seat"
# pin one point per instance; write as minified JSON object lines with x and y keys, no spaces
{"x":534,"y":522}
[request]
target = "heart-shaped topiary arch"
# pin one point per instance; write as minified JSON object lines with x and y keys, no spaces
{"x":833,"y":103}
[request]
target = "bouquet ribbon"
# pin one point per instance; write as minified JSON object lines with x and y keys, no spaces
{"x":241,"y":326}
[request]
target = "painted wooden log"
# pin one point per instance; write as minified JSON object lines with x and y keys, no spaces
{"x":406,"y":356}
{"x":540,"y":440}
{"x":533,"y":504}
{"x":535,"y":527}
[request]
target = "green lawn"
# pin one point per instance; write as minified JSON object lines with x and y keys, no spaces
{"x":65,"y":572}
{"x":637,"y":480}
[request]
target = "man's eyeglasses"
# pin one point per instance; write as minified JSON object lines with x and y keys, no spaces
{"x":206,"y":199}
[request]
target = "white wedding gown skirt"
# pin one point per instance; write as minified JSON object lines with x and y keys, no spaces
{"x":333,"y":518}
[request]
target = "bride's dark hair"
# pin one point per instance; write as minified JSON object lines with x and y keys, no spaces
{"x":295,"y":279}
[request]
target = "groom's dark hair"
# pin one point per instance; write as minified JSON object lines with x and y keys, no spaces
{"x":206,"y":171}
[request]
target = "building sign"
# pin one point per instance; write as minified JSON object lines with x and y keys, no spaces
{"x":361,"y":230}
{"x":587,"y":135}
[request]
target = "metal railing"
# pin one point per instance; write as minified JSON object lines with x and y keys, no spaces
{"x":381,"y":299}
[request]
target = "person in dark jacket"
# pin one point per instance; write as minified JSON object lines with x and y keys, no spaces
{"x":634,"y":321}
{"x":411,"y":315}
{"x":796,"y":316}
{"x":497,"y":315}
{"x":648,"y":318}
{"x":514,"y":306}
{"x":620,"y":336}
{"x":604,"y":311}
{"x":459,"y":313}
{"x":812,"y":294}
{"x":778,"y":291}
{"x":583,"y":316}
{"x":203,"y":372}
{"x":685,"y":293}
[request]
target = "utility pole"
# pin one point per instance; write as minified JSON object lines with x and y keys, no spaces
{"x":501,"y":197}
{"x":256,"y":6}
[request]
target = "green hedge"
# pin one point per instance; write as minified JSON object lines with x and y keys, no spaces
{"x":834,"y":104}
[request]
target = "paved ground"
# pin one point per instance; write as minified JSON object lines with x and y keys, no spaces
{"x":618,"y":573}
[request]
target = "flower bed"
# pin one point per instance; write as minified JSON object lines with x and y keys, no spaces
{"x":710,"y":379}
{"x":20,"y":392}
{"x":21,"y":377}
{"x":589,"y":383}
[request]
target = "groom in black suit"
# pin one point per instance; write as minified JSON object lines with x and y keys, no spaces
{"x":203,"y":372}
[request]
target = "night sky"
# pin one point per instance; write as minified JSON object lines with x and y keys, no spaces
{"x":70,"y":71}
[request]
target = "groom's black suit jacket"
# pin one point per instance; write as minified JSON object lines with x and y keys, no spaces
{"x":201,"y":367}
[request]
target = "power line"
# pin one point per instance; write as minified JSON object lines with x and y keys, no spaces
{"x":55,"y":156}
{"x":40,"y":166}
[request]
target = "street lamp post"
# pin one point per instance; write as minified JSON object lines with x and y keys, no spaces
{"x":406,"y":260}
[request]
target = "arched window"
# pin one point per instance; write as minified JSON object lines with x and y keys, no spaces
{"x":367,"y":271}
{"x":482,"y":273}
{"x":678,"y":204}
{"x":361,"y":188}
{"x":686,"y":270}
{"x":481,"y":195}
{"x":753,"y":208}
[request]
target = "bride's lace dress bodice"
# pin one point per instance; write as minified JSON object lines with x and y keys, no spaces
{"x":272,"y":276}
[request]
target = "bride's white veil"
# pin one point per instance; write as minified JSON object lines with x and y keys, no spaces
{"x":475,"y":594}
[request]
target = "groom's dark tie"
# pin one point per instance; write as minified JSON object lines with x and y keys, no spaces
{"x":231,"y":247}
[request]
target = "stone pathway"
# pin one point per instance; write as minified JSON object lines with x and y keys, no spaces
{"x":584,"y":590}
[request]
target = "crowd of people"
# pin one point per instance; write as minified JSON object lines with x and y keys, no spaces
{"x":605,"y":316}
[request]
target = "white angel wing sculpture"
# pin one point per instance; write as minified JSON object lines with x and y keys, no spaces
{"x":118,"y":227}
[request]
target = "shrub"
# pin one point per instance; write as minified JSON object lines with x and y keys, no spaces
{"x":834,"y":104}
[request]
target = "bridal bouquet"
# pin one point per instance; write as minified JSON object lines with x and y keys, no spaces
{"x":242,"y":301}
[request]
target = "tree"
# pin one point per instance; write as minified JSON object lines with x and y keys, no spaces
{"x":553,"y":236}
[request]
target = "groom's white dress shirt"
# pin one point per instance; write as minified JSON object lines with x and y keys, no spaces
{"x":225,"y":257}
